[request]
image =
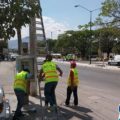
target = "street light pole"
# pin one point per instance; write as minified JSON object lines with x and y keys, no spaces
{"x":51,"y":35}
{"x":90,"y":49}
{"x":90,"y":42}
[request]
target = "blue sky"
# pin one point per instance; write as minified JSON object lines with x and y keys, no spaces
{"x":63,"y":11}
{"x":61,"y":15}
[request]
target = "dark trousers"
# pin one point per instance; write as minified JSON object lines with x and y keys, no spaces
{"x":49,"y":91}
{"x":69,"y":92}
{"x":20,"y":101}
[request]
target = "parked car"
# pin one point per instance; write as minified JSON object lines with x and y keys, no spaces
{"x":13,"y":56}
{"x":115,"y":60}
{"x":4,"y":106}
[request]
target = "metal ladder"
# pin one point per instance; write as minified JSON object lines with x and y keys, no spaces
{"x":40,"y":31}
{"x":40,"y":37}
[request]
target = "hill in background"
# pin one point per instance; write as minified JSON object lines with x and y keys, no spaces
{"x":13,"y":44}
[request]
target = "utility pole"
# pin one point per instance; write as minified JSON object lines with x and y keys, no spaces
{"x":34,"y":39}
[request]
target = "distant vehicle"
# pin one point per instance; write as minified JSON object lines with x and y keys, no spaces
{"x":2,"y":57}
{"x":70,"y":57}
{"x":13,"y":56}
{"x":40,"y":60}
{"x":56,"y":55}
{"x":94,"y":57}
{"x":115,"y":60}
{"x":4,"y":106}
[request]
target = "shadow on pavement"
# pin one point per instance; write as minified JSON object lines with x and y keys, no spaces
{"x":76,"y":113}
{"x":64,"y":112}
{"x":31,"y":112}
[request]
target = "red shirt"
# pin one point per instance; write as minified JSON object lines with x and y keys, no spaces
{"x":71,"y":77}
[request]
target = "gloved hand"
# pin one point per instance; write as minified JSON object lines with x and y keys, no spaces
{"x":60,"y":74}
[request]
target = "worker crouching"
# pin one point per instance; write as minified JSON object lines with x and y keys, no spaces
{"x":20,"y":89}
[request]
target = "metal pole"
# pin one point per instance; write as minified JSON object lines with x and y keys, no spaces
{"x":51,"y":35}
{"x":90,"y":42}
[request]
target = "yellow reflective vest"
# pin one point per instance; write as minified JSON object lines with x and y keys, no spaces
{"x":50,"y":71}
{"x":75,"y":80}
{"x":20,"y":81}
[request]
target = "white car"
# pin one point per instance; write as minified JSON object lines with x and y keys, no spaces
{"x":115,"y":60}
{"x":4,"y":106}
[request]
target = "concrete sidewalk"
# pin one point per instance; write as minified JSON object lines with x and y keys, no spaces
{"x":94,"y":64}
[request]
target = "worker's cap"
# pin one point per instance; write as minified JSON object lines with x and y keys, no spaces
{"x":48,"y":57}
{"x":73,"y":64}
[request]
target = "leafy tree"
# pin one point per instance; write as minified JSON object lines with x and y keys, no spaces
{"x":107,"y":37}
{"x":74,"y":42}
{"x":111,"y":9}
{"x":51,"y":45}
{"x":17,"y":15}
{"x":6,"y":28}
{"x":21,"y":12}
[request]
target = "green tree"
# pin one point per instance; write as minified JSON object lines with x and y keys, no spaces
{"x":74,"y":42}
{"x":107,"y":37}
{"x":51,"y":45}
{"x":6,"y":28}
{"x":21,"y":12}
{"x":16,"y":15}
{"x":111,"y":9}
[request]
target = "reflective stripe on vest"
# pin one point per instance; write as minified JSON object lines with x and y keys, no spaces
{"x":75,"y":80}
{"x":20,"y":81}
{"x":51,"y":75}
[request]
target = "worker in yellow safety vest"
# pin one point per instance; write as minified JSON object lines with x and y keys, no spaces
{"x":72,"y":82}
{"x":51,"y":76}
{"x":20,"y":89}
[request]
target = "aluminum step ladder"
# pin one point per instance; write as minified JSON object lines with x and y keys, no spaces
{"x":40,"y":37}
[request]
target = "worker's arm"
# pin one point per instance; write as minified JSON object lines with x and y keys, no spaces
{"x":60,"y":71}
{"x":72,"y":78}
{"x":41,"y":75}
{"x":29,"y":76}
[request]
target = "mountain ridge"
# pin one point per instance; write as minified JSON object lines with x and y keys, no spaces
{"x":13,"y":44}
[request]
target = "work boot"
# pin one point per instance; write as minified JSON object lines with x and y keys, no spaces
{"x":21,"y":115}
{"x":66,"y":104}
{"x":16,"y":118}
{"x":53,"y":108}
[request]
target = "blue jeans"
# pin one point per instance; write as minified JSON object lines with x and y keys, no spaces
{"x":49,"y":91}
{"x":20,"y":98}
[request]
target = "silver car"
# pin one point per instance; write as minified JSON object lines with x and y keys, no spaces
{"x":4,"y":106}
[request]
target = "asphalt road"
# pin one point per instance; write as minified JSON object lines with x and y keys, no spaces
{"x":99,"y":89}
{"x":97,"y":78}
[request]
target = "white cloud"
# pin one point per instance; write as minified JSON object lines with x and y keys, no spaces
{"x":52,"y":28}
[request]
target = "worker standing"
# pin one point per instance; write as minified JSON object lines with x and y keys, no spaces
{"x":20,"y":89}
{"x":72,"y":82}
{"x":49,"y":70}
